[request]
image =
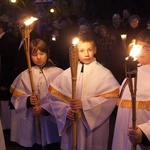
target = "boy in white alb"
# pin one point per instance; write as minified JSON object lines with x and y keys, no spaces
{"x":123,"y":130}
{"x":97,"y":92}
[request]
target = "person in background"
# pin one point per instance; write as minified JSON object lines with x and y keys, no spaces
{"x":97,"y":92}
{"x":134,"y":28}
{"x":125,"y":19}
{"x":7,"y":49}
{"x":148,"y":24}
{"x":28,"y":105}
{"x":116,"y":25}
{"x":123,"y":130}
{"x":110,"y":53}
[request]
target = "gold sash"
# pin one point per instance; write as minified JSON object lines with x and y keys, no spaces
{"x":139,"y":104}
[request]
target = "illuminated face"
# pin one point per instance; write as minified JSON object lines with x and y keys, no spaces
{"x":134,"y":23}
{"x":39,"y":58}
{"x":86,"y":51}
{"x":144,"y":56}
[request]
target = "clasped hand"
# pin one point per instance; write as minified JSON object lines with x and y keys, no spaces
{"x":37,"y":110}
{"x":135,"y":136}
{"x":34,"y":100}
{"x":75,"y":104}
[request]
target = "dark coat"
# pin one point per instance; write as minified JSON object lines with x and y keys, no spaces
{"x":7,"y":48}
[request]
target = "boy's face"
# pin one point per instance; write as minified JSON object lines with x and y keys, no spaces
{"x":86,"y":51}
{"x":144,"y":56}
{"x":39,"y":58}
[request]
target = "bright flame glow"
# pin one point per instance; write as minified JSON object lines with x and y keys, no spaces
{"x":123,"y":36}
{"x":52,"y":10}
{"x":75,"y":41}
{"x":30,"y":21}
{"x":135,"y":50}
{"x":13,"y":1}
{"x":53,"y":38}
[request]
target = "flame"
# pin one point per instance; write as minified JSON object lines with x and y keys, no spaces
{"x":52,"y":10}
{"x":75,"y":41}
{"x":53,"y":38}
{"x":123,"y":36}
{"x":135,"y":50}
{"x":30,"y":21}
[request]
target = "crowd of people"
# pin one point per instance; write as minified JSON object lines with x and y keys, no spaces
{"x":36,"y":102}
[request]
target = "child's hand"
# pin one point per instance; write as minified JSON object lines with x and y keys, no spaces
{"x":71,"y":115}
{"x":76,"y":104}
{"x":37,"y":110}
{"x":34,"y":100}
{"x":135,"y":136}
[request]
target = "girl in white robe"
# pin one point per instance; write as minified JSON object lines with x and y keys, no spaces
{"x":121,"y":139}
{"x":28,"y":108}
{"x":97,"y":91}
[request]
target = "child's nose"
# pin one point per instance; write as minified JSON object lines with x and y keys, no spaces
{"x":86,"y":53}
{"x":38,"y":56}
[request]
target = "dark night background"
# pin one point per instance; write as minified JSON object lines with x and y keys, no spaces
{"x":104,"y":9}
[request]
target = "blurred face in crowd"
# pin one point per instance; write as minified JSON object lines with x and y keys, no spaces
{"x":103,"y":31}
{"x":39,"y":58}
{"x":86,"y":51}
{"x":83,"y":29}
{"x":126,"y":14}
{"x":134,"y":23}
{"x":97,"y":29}
{"x":116,"y":19}
{"x":56,"y":24}
{"x":144,"y":56}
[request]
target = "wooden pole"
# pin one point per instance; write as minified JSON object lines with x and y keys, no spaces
{"x":131,"y":73}
{"x":26,"y":38}
{"x":73,"y":65}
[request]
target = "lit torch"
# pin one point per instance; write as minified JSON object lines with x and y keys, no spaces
{"x":26,"y":38}
{"x":131,"y":74}
{"x":73,"y":65}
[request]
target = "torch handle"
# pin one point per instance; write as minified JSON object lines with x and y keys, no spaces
{"x":73,"y":66}
{"x":26,"y":44}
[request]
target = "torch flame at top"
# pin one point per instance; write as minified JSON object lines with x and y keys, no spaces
{"x":135,"y":50}
{"x":75,"y":41}
{"x":30,"y":21}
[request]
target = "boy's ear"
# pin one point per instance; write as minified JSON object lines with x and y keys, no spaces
{"x":95,"y":50}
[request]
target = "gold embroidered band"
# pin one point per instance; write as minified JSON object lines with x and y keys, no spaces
{"x":139,"y":104}
{"x":16,"y":93}
{"x":64,"y":98}
{"x":59,"y":95}
{"x":114,"y":93}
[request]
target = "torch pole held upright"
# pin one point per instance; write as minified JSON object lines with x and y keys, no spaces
{"x":73,"y":65}
{"x":131,"y":73}
{"x":26,"y":43}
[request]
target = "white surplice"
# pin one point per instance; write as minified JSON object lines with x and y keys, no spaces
{"x":98,"y":90}
{"x":24,"y":128}
{"x":124,"y":115}
{"x":145,"y":127}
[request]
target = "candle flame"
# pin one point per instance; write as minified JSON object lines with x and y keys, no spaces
{"x":135,"y":50}
{"x":123,"y":36}
{"x":75,"y":41}
{"x":53,"y":38}
{"x":30,"y":21}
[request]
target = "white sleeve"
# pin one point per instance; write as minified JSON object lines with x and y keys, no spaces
{"x":97,"y":110}
{"x":146,"y":129}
